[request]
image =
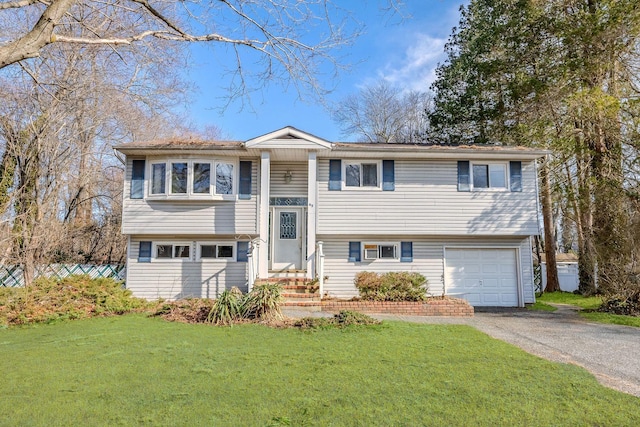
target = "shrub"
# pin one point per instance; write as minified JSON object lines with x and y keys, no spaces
{"x":623,"y":303}
{"x":72,"y":297}
{"x":342,"y":319}
{"x":392,"y":286}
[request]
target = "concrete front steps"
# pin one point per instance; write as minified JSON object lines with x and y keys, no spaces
{"x":298,"y":292}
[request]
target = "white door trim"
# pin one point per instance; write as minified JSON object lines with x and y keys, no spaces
{"x":289,"y":264}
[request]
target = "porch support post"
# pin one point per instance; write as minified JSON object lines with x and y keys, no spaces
{"x":312,"y":196}
{"x":263,"y":252}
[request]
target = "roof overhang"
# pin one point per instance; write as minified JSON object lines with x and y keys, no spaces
{"x":289,"y":137}
{"x":424,"y":151}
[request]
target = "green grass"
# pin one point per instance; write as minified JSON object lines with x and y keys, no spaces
{"x":587,"y":303}
{"x":133,"y":370}
{"x":541,"y":306}
{"x":613,"y":319}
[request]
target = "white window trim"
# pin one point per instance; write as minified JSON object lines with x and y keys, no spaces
{"x":234,"y":179}
{"x":173,"y":244}
{"x":150,"y":175}
{"x":360,"y":162}
{"x":217,"y":243}
{"x":190,"y":194}
{"x":492,"y":189}
{"x":396,"y":251}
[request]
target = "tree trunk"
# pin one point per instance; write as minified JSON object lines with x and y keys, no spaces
{"x":553,"y":285}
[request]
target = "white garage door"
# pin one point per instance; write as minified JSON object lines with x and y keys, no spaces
{"x":484,"y":277}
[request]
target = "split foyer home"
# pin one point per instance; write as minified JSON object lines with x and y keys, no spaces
{"x":201,"y":217}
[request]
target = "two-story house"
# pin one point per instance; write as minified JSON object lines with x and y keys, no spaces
{"x":201,"y":217}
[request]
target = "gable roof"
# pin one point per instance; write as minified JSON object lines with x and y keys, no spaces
{"x":288,"y":137}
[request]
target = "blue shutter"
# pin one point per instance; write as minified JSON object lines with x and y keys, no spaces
{"x":354,"y":251}
{"x":137,"y":179}
{"x":388,"y":175}
{"x":144,"y":252}
{"x":406,"y":251}
{"x":515,"y":176}
{"x":242,"y":251}
{"x":335,"y":175}
{"x":464,"y":179}
{"x":244,"y":190}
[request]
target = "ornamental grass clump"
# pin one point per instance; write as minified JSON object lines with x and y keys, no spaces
{"x":263,"y":302}
{"x":392,"y":286}
{"x":228,"y":308}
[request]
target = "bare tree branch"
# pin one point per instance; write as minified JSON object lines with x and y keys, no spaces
{"x":29,"y":45}
{"x":18,"y":4}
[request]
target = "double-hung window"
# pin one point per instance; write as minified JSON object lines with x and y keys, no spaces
{"x":362,"y":174}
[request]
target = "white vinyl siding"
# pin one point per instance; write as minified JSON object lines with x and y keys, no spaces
{"x":175,"y":278}
{"x":297,"y":187}
{"x":426,"y":202}
{"x":428,"y":260}
{"x":140,"y":216}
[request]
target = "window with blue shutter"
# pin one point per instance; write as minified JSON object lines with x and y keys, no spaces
{"x":515,"y":176}
{"x":137,"y":179}
{"x":144,"y":252}
{"x":335,"y":175}
{"x":464,"y":178}
{"x":244,"y":190}
{"x":388,"y":175}
{"x":243,"y":252}
{"x":354,"y":251}
{"x":406,"y":251}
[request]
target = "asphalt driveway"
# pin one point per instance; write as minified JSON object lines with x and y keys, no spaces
{"x":610,"y":352}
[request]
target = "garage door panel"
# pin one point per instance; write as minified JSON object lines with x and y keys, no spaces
{"x":484,"y":277}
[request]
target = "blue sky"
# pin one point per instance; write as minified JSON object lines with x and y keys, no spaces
{"x":403,"y":51}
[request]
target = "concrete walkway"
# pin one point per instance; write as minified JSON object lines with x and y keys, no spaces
{"x":610,"y":352}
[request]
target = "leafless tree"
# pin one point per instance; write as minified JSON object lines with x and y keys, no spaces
{"x":381,"y":112}
{"x":274,"y":33}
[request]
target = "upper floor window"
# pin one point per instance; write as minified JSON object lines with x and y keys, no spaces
{"x":201,"y":178}
{"x":179,"y":177}
{"x":158,"y":181}
{"x":361,"y":174}
{"x":224,"y":178}
{"x":192,"y":178}
{"x":505,"y":176}
{"x":492,"y":175}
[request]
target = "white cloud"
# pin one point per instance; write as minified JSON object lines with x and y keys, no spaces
{"x":415,"y":70}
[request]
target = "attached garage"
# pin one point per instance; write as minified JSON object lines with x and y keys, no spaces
{"x":483,"y":276}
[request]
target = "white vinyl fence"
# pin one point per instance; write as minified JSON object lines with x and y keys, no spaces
{"x":567,"y":276}
{"x":11,"y":276}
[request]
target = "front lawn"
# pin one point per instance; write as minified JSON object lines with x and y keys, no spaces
{"x":588,"y":305}
{"x":134,"y":370}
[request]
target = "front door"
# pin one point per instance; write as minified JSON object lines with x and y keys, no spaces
{"x":287,"y":238}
